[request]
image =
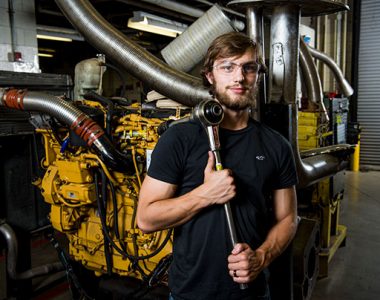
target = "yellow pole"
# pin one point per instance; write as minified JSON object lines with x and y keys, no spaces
{"x":355,"y":158}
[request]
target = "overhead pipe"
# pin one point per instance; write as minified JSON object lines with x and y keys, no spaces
{"x":190,"y":11}
{"x":12,"y":254}
{"x":179,"y":86}
{"x":188,"y":49}
{"x":339,"y":77}
{"x":87,"y":129}
{"x":231,"y":11}
{"x":178,"y":7}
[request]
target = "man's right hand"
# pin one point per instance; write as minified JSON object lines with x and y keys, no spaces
{"x":218,"y":186}
{"x":158,"y":208}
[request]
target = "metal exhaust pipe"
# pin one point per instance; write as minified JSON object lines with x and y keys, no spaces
{"x":310,"y":74}
{"x":284,"y":67}
{"x":311,"y":77}
{"x":333,"y":66}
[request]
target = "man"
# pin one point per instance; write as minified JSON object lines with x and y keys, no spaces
{"x":182,"y":189}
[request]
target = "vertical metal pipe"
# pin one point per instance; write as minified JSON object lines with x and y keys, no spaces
{"x":284,"y":54}
{"x":255,"y":30}
{"x":12,"y":26}
{"x":339,"y":38}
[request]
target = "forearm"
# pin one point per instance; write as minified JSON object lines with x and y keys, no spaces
{"x":277,"y":239}
{"x":284,"y":229}
{"x":171,"y":212}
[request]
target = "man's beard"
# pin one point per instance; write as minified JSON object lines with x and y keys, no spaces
{"x":240,"y":102}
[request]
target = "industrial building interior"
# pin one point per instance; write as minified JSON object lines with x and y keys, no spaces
{"x":87,"y":86}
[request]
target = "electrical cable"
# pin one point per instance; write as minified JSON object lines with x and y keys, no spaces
{"x":115,"y":211}
{"x":107,"y":250}
{"x":117,"y":248}
{"x":160,"y":270}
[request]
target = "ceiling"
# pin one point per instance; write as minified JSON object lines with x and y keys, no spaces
{"x":117,"y":12}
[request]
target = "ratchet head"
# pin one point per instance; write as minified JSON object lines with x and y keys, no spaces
{"x":208,"y":112}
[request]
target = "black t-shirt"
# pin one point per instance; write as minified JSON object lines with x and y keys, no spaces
{"x":261,"y":161}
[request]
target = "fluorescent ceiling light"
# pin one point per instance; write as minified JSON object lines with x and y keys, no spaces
{"x":48,"y":50}
{"x":45,"y":55}
{"x":155,"y":24}
{"x":53,"y":38}
{"x":58,"y":33}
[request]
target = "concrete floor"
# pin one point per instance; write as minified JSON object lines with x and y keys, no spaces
{"x":354,"y":271}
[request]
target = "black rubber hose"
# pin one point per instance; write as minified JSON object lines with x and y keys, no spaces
{"x":91,"y":95}
{"x":113,"y":158}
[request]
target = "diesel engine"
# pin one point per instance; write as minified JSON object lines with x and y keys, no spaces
{"x":96,"y":153}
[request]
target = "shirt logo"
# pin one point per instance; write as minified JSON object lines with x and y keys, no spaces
{"x":260,"y":157}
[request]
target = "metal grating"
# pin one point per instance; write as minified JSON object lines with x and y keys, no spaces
{"x":369,"y":83}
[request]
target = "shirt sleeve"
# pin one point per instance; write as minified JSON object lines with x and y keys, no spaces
{"x":167,"y":157}
{"x":287,"y":173}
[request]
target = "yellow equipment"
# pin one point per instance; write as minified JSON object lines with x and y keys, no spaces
{"x":327,"y":194}
{"x":95,"y":207}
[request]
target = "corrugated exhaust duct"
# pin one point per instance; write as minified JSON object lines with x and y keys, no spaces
{"x":191,"y":46}
{"x":80,"y":123}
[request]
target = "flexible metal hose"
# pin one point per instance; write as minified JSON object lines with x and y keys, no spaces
{"x":190,"y":47}
{"x":67,"y":113}
{"x":174,"y":84}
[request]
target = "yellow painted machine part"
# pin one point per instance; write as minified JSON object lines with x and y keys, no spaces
{"x":312,"y":134}
{"x":68,"y":186}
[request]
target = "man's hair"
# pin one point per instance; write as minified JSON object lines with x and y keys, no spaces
{"x":227,"y":45}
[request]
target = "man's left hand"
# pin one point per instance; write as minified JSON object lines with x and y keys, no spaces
{"x":245,"y":264}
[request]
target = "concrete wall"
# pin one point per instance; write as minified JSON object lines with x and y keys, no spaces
{"x":24,"y":37}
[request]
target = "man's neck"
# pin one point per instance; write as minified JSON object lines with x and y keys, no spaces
{"x":235,"y":120}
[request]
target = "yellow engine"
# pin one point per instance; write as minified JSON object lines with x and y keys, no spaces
{"x":95,"y":206}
